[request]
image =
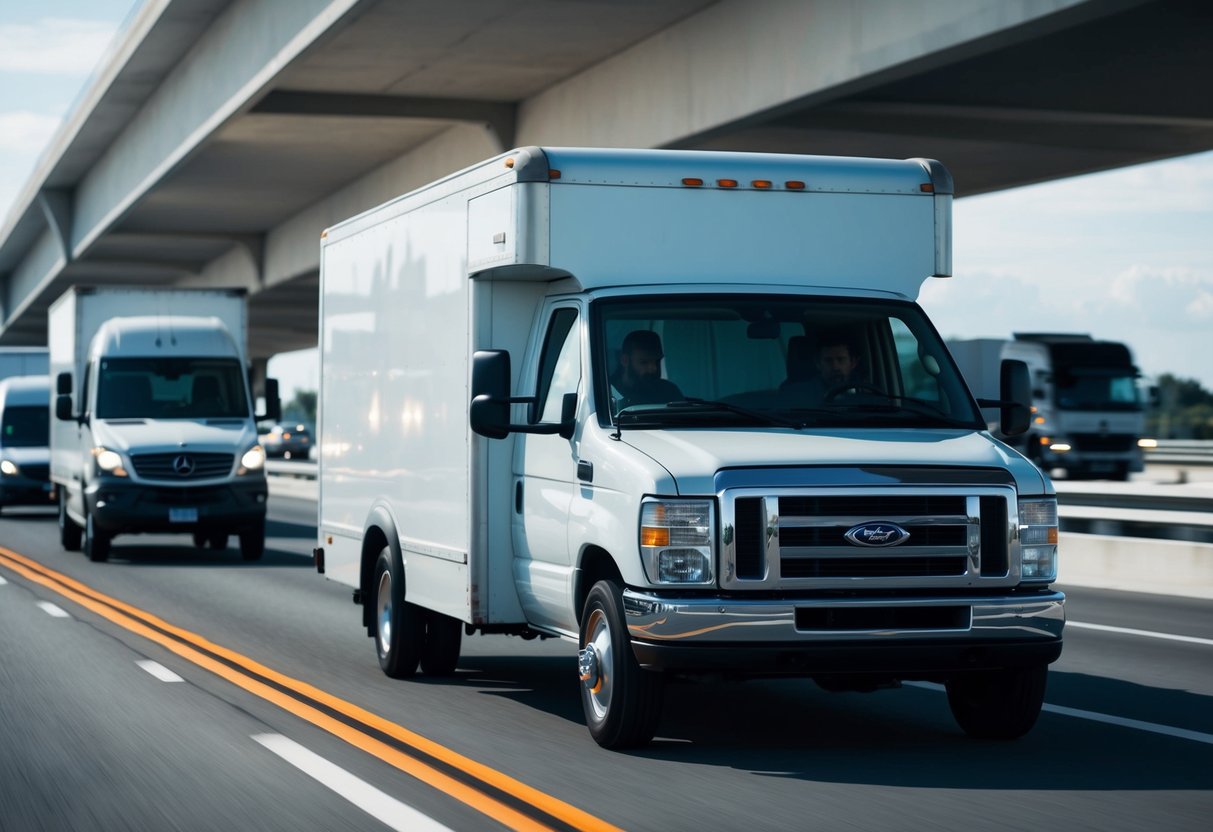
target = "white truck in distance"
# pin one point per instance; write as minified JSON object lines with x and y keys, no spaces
{"x":154,"y":428}
{"x":1088,"y":416}
{"x":729,"y":441}
{"x":22,"y":361}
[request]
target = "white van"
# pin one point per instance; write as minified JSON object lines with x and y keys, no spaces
{"x":682,"y":410}
{"x":24,"y":441}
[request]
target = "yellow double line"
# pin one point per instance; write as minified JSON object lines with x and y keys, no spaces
{"x":532,"y":810}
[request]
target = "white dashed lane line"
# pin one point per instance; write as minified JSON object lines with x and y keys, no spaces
{"x":379,"y":805}
{"x":1082,"y":625}
{"x":159,"y":671}
{"x":53,"y":611}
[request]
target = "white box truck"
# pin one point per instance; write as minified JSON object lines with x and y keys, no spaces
{"x":681,"y":409}
{"x":1088,"y":413}
{"x":154,"y":428}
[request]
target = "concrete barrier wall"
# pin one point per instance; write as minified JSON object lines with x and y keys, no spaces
{"x":1135,"y":564}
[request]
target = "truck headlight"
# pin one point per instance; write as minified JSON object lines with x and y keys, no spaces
{"x":109,"y":462}
{"x":9,"y":468}
{"x":1038,"y":539}
{"x":253,"y":460}
{"x":677,"y":541}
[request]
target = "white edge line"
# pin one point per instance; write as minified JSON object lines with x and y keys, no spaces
{"x":2,"y":581}
{"x":53,"y":611}
{"x":1093,"y":716}
{"x":159,"y":671}
{"x":1082,"y":625}
{"x":379,"y":805}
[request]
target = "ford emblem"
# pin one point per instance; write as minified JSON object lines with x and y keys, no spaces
{"x":877,"y":534}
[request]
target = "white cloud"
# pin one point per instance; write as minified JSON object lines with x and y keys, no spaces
{"x":1169,"y":299}
{"x":54,"y":46}
{"x":23,"y":132}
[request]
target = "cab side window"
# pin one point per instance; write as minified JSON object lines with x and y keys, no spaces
{"x":559,"y":366}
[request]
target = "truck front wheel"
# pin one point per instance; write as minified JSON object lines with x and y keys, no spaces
{"x":998,"y":704}
{"x":399,"y":625}
{"x":96,"y":542}
{"x":622,"y":700}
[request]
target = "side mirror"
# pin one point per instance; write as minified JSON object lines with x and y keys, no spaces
{"x":63,"y":384}
{"x":273,"y":403}
{"x":1015,"y":391}
{"x":490,"y":409}
{"x":568,"y":415}
{"x":63,"y":406}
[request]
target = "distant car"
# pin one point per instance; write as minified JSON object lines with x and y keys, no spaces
{"x":286,"y":441}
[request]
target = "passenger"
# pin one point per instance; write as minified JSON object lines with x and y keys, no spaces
{"x":638,"y":379}
{"x":837,"y":364}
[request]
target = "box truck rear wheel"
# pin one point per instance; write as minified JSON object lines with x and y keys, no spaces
{"x":998,"y":704}
{"x":622,"y":700}
{"x":443,"y":637}
{"x":399,"y":625}
{"x":96,"y":542}
{"x":69,"y":532}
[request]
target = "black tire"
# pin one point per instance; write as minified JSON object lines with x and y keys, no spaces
{"x":399,"y":627}
{"x":998,"y":704}
{"x":443,"y":638}
{"x":199,"y":539}
{"x":252,"y":542}
{"x":218,"y":542}
{"x":96,"y":541}
{"x":69,"y":532}
{"x":621,"y":700}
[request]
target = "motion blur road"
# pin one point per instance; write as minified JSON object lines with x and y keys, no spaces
{"x":275,"y":716}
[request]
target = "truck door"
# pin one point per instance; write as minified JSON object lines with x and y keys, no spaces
{"x":545,"y":476}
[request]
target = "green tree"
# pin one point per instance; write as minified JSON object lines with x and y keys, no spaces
{"x":302,"y":408}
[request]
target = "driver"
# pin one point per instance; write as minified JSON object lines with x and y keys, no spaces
{"x":638,"y":379}
{"x":837,"y":361}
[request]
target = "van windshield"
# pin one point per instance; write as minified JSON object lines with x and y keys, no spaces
{"x":26,"y":426}
{"x":777,"y":360}
{"x":171,"y":388}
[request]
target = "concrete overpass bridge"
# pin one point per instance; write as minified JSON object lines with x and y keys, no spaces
{"x":221,"y":137}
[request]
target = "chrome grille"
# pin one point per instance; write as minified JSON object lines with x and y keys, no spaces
{"x":789,"y":539}
{"x":170,"y":466}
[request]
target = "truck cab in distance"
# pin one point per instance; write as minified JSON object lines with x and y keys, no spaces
{"x":154,"y":427}
{"x":681,"y":409}
{"x":24,"y":441}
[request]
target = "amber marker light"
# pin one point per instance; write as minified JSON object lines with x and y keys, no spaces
{"x":553,"y":174}
{"x":509,"y":163}
{"x":927,"y":188}
{"x":650,"y":536}
{"x":692,"y":182}
{"x":794,"y":185}
{"x":727,"y":183}
{"x":761,"y":184}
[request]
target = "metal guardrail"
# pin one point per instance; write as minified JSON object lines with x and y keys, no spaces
{"x":1181,"y":452}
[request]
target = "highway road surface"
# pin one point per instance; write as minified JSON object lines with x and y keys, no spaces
{"x":176,"y":688}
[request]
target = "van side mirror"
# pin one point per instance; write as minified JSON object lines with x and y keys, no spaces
{"x":489,"y":412}
{"x":63,"y":407}
{"x":273,"y":403}
{"x":63,"y":384}
{"x":1015,"y":391}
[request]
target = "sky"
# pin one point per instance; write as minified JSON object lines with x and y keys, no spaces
{"x":1125,"y":255}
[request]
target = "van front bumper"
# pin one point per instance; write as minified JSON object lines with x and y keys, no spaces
{"x":23,"y":491}
{"x":122,"y":507}
{"x":906,"y":638}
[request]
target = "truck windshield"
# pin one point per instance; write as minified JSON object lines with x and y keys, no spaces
{"x":171,"y":388}
{"x":26,"y":426}
{"x":1097,"y":388}
{"x":774,"y":360}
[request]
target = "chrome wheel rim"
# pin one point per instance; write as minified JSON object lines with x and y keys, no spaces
{"x":384,"y":612}
{"x":599,"y":686}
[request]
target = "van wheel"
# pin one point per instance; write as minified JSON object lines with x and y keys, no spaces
{"x":252,"y":542}
{"x":998,"y":704}
{"x":443,"y":637}
{"x":69,"y":532}
{"x":218,"y":542}
{"x":399,"y":625}
{"x":621,"y":700}
{"x":96,"y":542}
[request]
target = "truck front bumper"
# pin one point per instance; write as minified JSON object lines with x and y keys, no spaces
{"x":24,"y":491}
{"x":123,"y":507}
{"x":906,"y":638}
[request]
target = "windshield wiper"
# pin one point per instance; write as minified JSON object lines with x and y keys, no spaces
{"x":706,"y":406}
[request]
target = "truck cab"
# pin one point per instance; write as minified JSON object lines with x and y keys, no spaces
{"x":24,"y":441}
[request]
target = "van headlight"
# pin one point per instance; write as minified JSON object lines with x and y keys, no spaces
{"x":677,"y":541}
{"x":108,"y":462}
{"x":253,"y":460}
{"x":9,"y":468}
{"x":1038,"y":539}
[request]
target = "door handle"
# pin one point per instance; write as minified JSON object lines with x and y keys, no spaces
{"x":585,"y":471}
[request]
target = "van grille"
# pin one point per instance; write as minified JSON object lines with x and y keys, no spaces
{"x":182,"y":465}
{"x":955,"y":536}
